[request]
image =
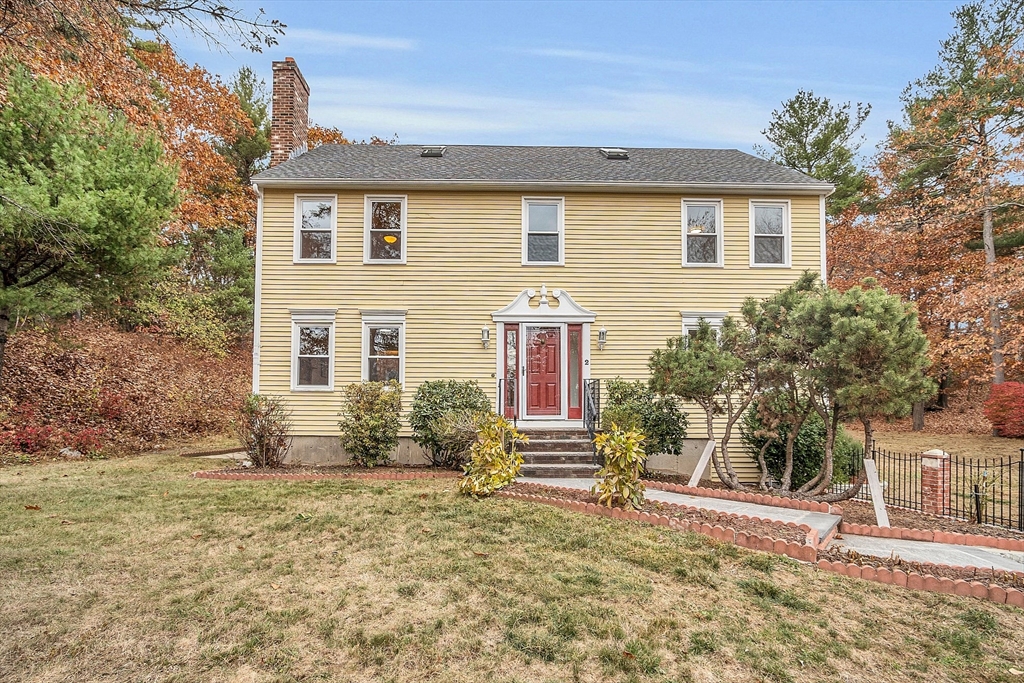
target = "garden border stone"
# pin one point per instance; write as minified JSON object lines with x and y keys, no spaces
{"x":746,"y":497}
{"x":930,"y":536}
{"x":286,"y":476}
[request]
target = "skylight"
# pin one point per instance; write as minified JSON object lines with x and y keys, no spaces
{"x":614,"y":153}
{"x":433,"y":151}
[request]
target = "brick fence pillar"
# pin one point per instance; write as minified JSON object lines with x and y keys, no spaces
{"x":935,"y":469}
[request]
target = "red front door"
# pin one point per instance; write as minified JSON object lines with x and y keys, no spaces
{"x":543,"y":371}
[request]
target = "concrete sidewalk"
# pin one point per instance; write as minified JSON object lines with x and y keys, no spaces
{"x":911,"y":551}
{"x":821,"y":522}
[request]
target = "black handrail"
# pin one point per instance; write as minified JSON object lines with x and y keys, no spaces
{"x":507,"y":398}
{"x":592,"y":411}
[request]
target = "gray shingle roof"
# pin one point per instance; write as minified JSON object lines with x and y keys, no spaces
{"x":497,"y":165}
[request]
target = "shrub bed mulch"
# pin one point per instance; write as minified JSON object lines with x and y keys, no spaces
{"x":751,"y":526}
{"x":307,"y":473}
{"x":860,"y":513}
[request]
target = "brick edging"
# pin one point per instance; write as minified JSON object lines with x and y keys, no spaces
{"x":285,"y":476}
{"x":747,"y":497}
{"x":798,"y":551}
{"x":925,"y":582}
{"x":930,"y":536}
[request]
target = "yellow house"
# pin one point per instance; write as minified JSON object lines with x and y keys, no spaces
{"x":536,"y":271}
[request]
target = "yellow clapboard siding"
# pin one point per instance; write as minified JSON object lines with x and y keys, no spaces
{"x":622,"y":260}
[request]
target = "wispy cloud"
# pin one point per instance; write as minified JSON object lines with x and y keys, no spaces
{"x":596,"y":57}
{"x":583,"y":116}
{"x":315,"y":41}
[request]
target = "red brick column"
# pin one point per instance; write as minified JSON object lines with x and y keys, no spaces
{"x":935,"y":478}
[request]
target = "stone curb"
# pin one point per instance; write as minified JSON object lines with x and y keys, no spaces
{"x":203,"y":454}
{"x":925,"y":582}
{"x":283,"y":476}
{"x":747,"y":497}
{"x":803,"y":552}
{"x":931,"y":536}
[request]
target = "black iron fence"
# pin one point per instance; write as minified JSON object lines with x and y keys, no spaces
{"x":898,"y":473}
{"x":979,"y":490}
{"x":987,"y":491}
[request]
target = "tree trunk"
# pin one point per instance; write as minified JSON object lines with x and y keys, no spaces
{"x":943,"y":392}
{"x":918,"y":416}
{"x":714,"y":454}
{"x":763,"y":483}
{"x":989,"y":240}
{"x":869,"y":436}
{"x":5,"y":323}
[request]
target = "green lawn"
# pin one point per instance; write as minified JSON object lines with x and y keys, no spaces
{"x":133,"y":571}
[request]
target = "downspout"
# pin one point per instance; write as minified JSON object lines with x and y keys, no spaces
{"x":824,"y":258}
{"x":258,"y":287}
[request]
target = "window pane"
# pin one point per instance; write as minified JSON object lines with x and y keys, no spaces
{"x":701,"y":249}
{"x":384,"y":341}
{"x":386,"y":216}
{"x":315,"y":245}
{"x":768,"y":220}
{"x":383,"y":369}
{"x":385,"y":245}
{"x":701,"y":219}
{"x":314,"y":372}
{"x":316,"y":215}
{"x":542,"y":248}
{"x":769,"y":250}
{"x":542,"y":218}
{"x":314,"y":341}
{"x":574,"y":368}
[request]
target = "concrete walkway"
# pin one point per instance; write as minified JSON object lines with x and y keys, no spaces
{"x":821,"y":522}
{"x":934,"y":553}
{"x":911,"y":551}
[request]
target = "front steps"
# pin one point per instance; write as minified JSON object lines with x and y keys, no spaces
{"x":558,"y":453}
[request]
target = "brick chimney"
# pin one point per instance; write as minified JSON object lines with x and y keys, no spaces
{"x":289,"y":127}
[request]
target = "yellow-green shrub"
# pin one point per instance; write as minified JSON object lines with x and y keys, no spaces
{"x":494,"y":461}
{"x":623,"y":453}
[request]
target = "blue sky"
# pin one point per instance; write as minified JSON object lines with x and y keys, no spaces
{"x":688,"y":74}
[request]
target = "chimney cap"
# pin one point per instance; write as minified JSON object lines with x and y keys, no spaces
{"x":289,"y":59}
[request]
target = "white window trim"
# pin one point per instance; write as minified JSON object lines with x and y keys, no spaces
{"x":720,"y":251}
{"x":691,"y":319}
{"x":368,"y":219}
{"x":787,"y":245}
{"x":318,"y":318}
{"x":297,"y":241}
{"x":382,"y":318}
{"x":561,"y":230}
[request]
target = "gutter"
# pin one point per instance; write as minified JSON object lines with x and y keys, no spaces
{"x":816,"y":189}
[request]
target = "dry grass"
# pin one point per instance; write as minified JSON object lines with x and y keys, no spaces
{"x":968,"y":445}
{"x":133,"y":571}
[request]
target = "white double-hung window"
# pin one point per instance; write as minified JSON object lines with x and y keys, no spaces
{"x":314,"y":228}
{"x":383,"y":346}
{"x":384,"y":229}
{"x":543,"y":231}
{"x":313,"y":350}
{"x":702,"y":232}
{"x":769,"y":234}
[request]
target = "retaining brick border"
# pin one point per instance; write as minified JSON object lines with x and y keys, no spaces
{"x":925,"y":582}
{"x":931,"y":536}
{"x":747,"y":497}
{"x":803,"y":552}
{"x":285,"y":476}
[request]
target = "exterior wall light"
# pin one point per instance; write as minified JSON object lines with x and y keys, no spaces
{"x":485,"y":336}
{"x":602,"y":338}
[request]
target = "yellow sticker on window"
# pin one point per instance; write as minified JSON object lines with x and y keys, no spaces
{"x":390,"y":239}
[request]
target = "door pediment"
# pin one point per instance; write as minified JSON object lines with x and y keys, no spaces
{"x":522,"y":308}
